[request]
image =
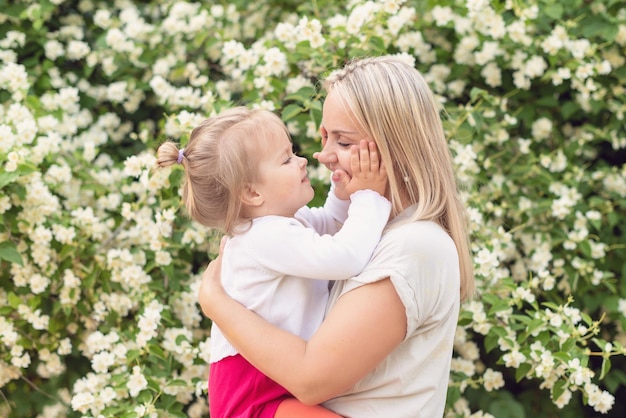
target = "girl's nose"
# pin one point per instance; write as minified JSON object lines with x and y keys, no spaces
{"x":326,"y":156}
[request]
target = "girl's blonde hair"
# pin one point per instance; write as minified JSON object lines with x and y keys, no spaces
{"x":392,"y":103}
{"x":219,"y":162}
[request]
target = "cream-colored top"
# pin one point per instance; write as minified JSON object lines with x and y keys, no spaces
{"x":422,"y":262}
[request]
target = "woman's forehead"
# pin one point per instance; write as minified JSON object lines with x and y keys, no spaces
{"x":337,"y":118}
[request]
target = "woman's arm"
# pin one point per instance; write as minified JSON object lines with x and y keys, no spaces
{"x":363,"y":327}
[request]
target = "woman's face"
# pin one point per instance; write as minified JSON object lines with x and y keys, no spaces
{"x":339,"y":133}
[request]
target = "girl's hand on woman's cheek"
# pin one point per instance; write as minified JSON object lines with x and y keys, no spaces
{"x":341,"y":180}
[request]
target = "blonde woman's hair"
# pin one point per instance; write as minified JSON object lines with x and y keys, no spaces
{"x":219,"y":162}
{"x":391,"y":102}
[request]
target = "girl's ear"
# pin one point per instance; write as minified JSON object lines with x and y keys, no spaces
{"x":250,"y":196}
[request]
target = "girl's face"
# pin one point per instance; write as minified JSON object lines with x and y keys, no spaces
{"x":282,"y":176}
{"x":339,"y":133}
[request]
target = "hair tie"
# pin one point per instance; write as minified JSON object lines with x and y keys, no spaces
{"x":180,"y":156}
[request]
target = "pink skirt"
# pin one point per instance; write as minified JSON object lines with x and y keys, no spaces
{"x":238,"y":390}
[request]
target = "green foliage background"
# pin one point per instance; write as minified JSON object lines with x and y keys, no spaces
{"x":533,"y":94}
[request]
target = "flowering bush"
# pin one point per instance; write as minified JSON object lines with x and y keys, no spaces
{"x":99,"y":266}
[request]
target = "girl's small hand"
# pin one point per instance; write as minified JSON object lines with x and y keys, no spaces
{"x":368,"y":171}
{"x":211,"y":289}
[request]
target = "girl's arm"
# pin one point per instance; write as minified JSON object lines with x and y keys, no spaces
{"x":363,"y":327}
{"x":327,"y":219}
{"x":288,"y":247}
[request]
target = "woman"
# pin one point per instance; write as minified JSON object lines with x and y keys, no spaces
{"x":385,"y":345}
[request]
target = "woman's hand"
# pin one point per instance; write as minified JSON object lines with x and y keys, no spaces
{"x":211,"y":289}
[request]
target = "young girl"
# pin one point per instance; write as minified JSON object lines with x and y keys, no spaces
{"x":243,"y":178}
{"x":385,"y":346}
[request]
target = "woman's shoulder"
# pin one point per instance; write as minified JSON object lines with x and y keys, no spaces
{"x":421,"y":236}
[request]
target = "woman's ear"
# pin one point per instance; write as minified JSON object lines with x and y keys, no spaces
{"x":250,"y":196}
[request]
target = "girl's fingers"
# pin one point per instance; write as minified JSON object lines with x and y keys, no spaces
{"x":364,"y":156}
{"x":373,"y":155}
{"x":355,"y":160}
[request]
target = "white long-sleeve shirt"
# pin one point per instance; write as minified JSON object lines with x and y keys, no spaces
{"x":280,"y":267}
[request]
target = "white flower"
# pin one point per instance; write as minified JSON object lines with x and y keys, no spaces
{"x":564,"y":399}
{"x":492,"y":380}
{"x":82,"y":401}
{"x":117,"y":92}
{"x":521,"y":293}
{"x":541,"y":128}
{"x":463,"y":54}
{"x":21,"y":361}
{"x":102,"y":361}
{"x":65,"y":347}
{"x":488,"y":53}
{"x":232,"y":50}
{"x":163,"y":258}
{"x":136,"y":382}
{"x":535,"y":67}
{"x":517,"y":32}
{"x":492,"y":74}
{"x":561,"y":75}
{"x":463,"y":366}
{"x":513,"y":359}
{"x":13,"y":77}
{"x":38,"y":283}
{"x":442,"y":15}
{"x":284,"y":33}
{"x":598,"y":249}
{"x":54,"y":49}
{"x":133,"y":166}
{"x":600,"y":400}
{"x":77,"y":50}
{"x":621,"y":306}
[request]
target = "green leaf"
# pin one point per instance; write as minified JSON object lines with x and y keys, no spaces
{"x":558,"y":389}
{"x":476,"y":92}
{"x":14,"y":300}
{"x":290,"y":112}
{"x":554,"y":11}
{"x":22,"y":170}
{"x":157,"y":351}
{"x":154,"y":385}
{"x":563,"y":356}
{"x":606,"y":367}
{"x":302,"y":95}
{"x":6,"y":178}
{"x":505,"y":406}
{"x":598,"y":26}
{"x":521,"y":371}
{"x":569,"y":345}
{"x":491,"y":342}
{"x":534,"y":325}
{"x":8,"y":252}
{"x":178,"y":382}
{"x":586,"y":318}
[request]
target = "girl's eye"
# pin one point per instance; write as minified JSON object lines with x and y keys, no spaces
{"x":343,"y":144}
